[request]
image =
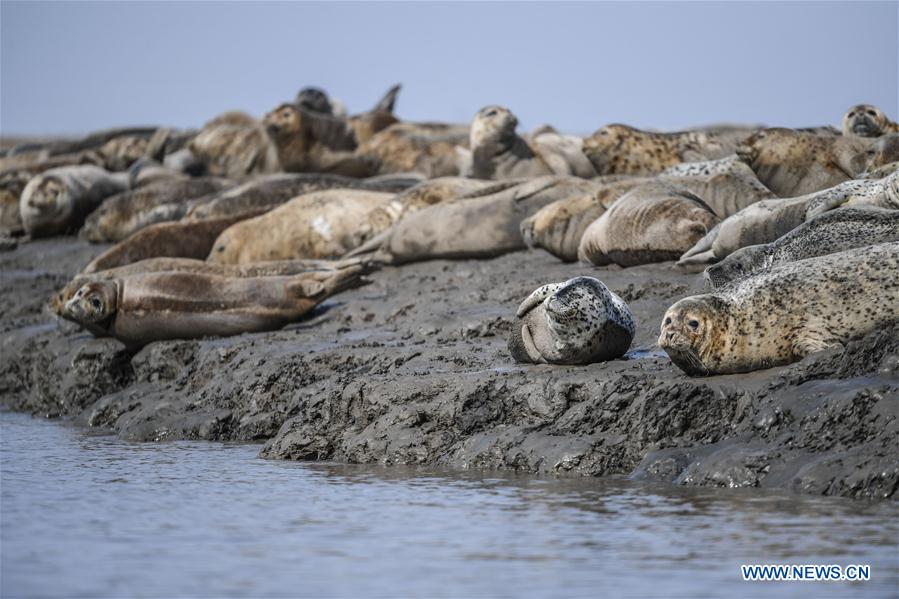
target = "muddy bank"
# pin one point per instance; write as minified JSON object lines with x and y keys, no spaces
{"x":413,"y":369}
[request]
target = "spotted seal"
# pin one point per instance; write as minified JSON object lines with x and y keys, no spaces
{"x":828,"y":233}
{"x":150,"y":307}
{"x":865,"y":120}
{"x":58,"y":200}
{"x":579,"y":321}
{"x":623,"y":150}
{"x":792,"y":163}
{"x":765,"y":221}
{"x":782,"y":315}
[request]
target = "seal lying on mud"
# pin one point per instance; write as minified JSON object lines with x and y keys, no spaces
{"x":829,"y":233}
{"x":59,"y":199}
{"x":652,"y":223}
{"x":783,"y":315}
{"x":865,"y":120}
{"x":498,"y":152}
{"x":621,"y":150}
{"x":765,"y":221}
{"x":279,"y":268}
{"x":271,"y":191}
{"x":150,"y":307}
{"x":482,"y":226}
{"x":123,"y":214}
{"x":181,"y":239}
{"x":576,"y":322}
{"x":559,"y":227}
{"x":322,"y":224}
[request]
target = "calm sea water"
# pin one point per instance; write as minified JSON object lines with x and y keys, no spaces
{"x":88,"y":515}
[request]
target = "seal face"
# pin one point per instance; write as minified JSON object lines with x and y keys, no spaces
{"x":579,"y":321}
{"x":93,"y":306}
{"x":865,"y":120}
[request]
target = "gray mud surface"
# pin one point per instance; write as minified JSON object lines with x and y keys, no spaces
{"x":413,"y":369}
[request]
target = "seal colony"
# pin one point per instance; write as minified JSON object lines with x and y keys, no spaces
{"x":251,"y":223}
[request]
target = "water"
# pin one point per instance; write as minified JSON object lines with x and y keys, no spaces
{"x":88,"y":515}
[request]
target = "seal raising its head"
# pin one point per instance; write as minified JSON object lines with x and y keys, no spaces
{"x":864,"y":120}
{"x":576,"y":322}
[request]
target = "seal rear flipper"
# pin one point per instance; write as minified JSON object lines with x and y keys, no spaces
{"x":388,"y":102}
{"x":371,"y":246}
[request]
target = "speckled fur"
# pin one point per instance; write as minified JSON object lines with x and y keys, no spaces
{"x":784,"y":314}
{"x":619,"y":149}
{"x":828,"y":233}
{"x":576,"y":322}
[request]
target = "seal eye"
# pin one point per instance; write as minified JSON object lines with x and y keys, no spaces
{"x":870,"y":112}
{"x":491,"y":113}
{"x":95,"y":302}
{"x":668,"y":320}
{"x":693,"y":324}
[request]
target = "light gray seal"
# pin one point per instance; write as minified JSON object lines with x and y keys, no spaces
{"x":579,"y":321}
{"x":828,"y":233}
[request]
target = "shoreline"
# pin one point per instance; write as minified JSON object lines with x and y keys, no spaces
{"x":413,"y":369}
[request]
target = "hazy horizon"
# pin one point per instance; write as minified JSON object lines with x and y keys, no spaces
{"x":68,"y":68}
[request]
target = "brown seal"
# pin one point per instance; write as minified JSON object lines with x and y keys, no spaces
{"x":791,"y":163}
{"x":125,"y":213}
{"x":621,"y":150}
{"x":182,"y":239}
{"x":782,"y":315}
{"x":323,"y":224}
{"x":149,"y":307}
{"x":652,"y":223}
{"x":483,"y":226}
{"x":271,"y":191}
{"x":427,"y":148}
{"x":235,"y":146}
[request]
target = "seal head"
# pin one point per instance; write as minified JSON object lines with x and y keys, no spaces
{"x":692,"y":329}
{"x":864,"y":120}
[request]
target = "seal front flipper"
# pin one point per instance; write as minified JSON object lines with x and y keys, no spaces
{"x":529,"y":346}
{"x":536,"y":298}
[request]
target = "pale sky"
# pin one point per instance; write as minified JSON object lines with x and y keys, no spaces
{"x":73,"y":67}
